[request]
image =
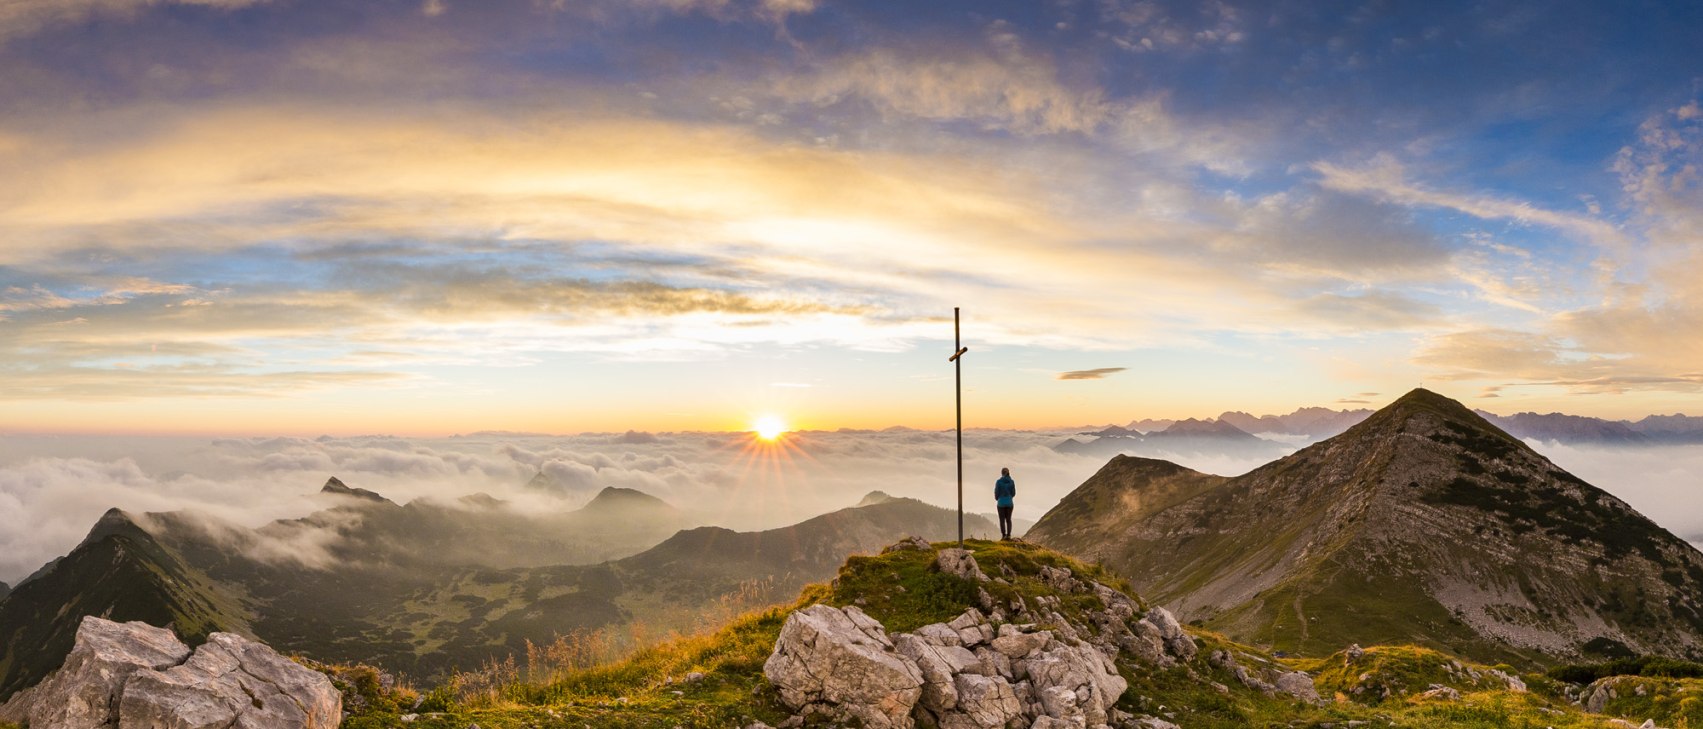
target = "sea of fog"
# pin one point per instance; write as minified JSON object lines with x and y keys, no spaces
{"x":53,"y":488}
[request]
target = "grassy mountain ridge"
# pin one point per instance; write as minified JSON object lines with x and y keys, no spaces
{"x":1423,"y":524}
{"x":1385,"y":686}
{"x":119,"y":572}
{"x":364,"y":596}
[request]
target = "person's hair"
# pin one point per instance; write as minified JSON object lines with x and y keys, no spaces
{"x":1005,"y":471}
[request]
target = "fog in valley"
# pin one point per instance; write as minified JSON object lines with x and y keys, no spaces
{"x":54,"y":488}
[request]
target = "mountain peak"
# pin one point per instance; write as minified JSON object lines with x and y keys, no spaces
{"x":336,"y":487}
{"x":875,"y":497}
{"x":1411,"y":412}
{"x":615,"y":497}
{"x":1421,"y":399}
{"x":1457,"y":524}
{"x":113,"y":521}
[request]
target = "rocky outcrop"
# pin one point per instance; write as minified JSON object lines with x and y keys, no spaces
{"x":908,"y":543}
{"x":840,"y":664}
{"x":956,"y":561}
{"x":123,"y":675}
{"x":1271,"y":680}
{"x":968,"y":672}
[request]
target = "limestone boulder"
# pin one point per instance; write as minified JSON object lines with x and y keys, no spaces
{"x":983,"y":702}
{"x":1076,"y":682}
{"x":105,"y":655}
{"x":908,"y":543}
{"x":1299,"y":685}
{"x":1177,"y":641}
{"x":938,"y":664}
{"x":135,"y":675}
{"x":956,"y":561}
{"x":231,"y":682}
{"x":839,"y":663}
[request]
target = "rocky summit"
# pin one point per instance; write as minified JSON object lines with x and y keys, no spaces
{"x":133,"y":675}
{"x":1423,"y":524}
{"x":1044,"y":646}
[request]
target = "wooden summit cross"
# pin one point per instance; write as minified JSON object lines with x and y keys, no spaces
{"x":958,"y":389}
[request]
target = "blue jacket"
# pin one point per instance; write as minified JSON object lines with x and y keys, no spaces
{"x":1005,"y":491}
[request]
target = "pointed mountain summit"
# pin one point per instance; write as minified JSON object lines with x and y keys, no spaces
{"x":336,"y":487}
{"x":616,"y":500}
{"x":875,"y":497}
{"x":1422,"y":524}
{"x":121,"y":572}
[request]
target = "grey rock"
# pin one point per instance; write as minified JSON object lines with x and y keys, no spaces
{"x":1059,"y":578}
{"x":135,"y":675}
{"x":1177,"y":641}
{"x":1148,"y":644}
{"x":1061,"y":703}
{"x":831,"y":662}
{"x":1299,"y":685}
{"x":939,"y":634}
{"x":973,"y":628}
{"x":956,"y":561}
{"x":1116,"y":602}
{"x":1223,"y":659}
{"x":909,"y":543}
{"x":1047,"y":722}
{"x":991,"y":662}
{"x":80,"y":695}
{"x":1015,"y":644}
{"x":235,"y":682}
{"x":1514,"y":683}
{"x":938,"y":664}
{"x":983,"y":701}
{"x":1089,"y":677}
{"x":1440,"y":693}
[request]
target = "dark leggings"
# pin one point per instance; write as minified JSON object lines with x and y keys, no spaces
{"x":1005,"y":522}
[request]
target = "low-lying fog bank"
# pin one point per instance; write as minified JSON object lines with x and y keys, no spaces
{"x":53,"y":488}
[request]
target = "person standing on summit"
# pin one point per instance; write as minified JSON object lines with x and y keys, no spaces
{"x":1005,"y":495}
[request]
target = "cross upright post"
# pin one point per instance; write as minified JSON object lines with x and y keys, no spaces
{"x":958,"y":390}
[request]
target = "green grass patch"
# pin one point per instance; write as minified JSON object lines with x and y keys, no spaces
{"x":1386,"y":674}
{"x":904,"y":591}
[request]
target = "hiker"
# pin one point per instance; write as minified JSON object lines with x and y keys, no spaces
{"x":1005,"y":495}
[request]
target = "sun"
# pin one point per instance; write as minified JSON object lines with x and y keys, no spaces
{"x":769,"y":427}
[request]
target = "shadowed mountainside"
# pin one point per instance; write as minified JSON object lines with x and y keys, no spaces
{"x":421,"y":603}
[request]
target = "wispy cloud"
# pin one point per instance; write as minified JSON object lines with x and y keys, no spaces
{"x":24,"y":17}
{"x":1094,"y":374}
{"x":1384,"y":178}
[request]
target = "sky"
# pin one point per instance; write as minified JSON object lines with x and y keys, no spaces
{"x":430,"y":217}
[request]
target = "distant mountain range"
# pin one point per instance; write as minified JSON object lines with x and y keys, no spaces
{"x":1317,"y":423}
{"x":1424,"y":523}
{"x":1178,"y":438}
{"x":428,"y":587}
